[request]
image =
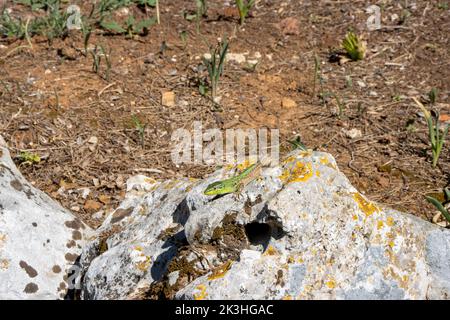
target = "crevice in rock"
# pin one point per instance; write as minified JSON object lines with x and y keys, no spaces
{"x":258,"y":233}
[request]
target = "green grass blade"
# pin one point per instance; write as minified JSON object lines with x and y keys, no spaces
{"x":439,"y":206}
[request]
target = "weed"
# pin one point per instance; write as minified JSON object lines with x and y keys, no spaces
{"x":183,"y":37}
{"x":432,"y":95}
{"x":215,"y":65}
{"x":317,"y":76}
{"x":140,"y":128}
{"x":443,"y":6}
{"x":354,"y":46}
{"x":86,"y":31}
{"x":131,"y":26}
{"x":341,"y":106}
{"x":434,"y":132}
{"x":297,"y":144}
{"x":97,"y":54}
{"x":244,"y":7}
{"x":11,"y":28}
{"x":201,"y":11}
{"x":441,"y":206}
{"x":26,"y":157}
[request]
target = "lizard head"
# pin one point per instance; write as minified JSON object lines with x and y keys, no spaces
{"x":218,"y":188}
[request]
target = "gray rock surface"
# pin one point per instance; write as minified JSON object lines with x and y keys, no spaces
{"x":300,"y":231}
{"x":39,"y":240}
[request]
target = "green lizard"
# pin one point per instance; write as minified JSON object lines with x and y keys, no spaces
{"x":236,"y":183}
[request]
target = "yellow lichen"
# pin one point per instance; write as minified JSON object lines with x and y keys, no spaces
{"x":271,"y":251}
{"x":202,"y":294}
{"x":150,"y":180}
{"x":355,"y":217}
{"x":324,"y":160}
{"x":299,"y":173}
{"x":221,"y":270}
{"x":390,"y":221}
{"x":171,"y":184}
{"x":4,"y":264}
{"x":247,"y":163}
{"x":331,"y":284}
{"x":318,"y":173}
{"x":287,"y":297}
{"x":365,"y":205}
{"x":380,"y":224}
{"x":144,"y":265}
{"x":2,"y":238}
{"x":288,"y":160}
{"x":306,"y":153}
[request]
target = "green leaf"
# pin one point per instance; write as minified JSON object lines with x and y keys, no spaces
{"x":112,"y":26}
{"x":144,"y":24}
{"x":202,"y":89}
{"x":447,"y":194}
{"x":439,"y":206}
{"x":190,"y":17}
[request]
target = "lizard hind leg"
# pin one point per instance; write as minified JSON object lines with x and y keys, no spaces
{"x":239,"y":194}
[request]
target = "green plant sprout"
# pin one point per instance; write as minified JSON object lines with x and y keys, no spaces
{"x":297,"y":144}
{"x":434,"y":132}
{"x":244,"y":7}
{"x":29,"y":158}
{"x":97,"y":53}
{"x":433,"y":95}
{"x":140,"y":128}
{"x":354,"y":46}
{"x":215,"y":65}
{"x":441,"y":206}
{"x":183,"y":38}
{"x":201,"y":11}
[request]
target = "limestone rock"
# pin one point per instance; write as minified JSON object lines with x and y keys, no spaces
{"x":39,"y":240}
{"x":300,"y":231}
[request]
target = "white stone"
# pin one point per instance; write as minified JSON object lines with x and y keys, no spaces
{"x":39,"y":240}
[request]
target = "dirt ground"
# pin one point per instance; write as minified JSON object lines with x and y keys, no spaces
{"x":53,"y":104}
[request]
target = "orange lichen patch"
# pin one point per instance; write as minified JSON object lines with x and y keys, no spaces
{"x":202,"y":294}
{"x":324,"y":160}
{"x":299,"y":173}
{"x":171,"y":184}
{"x":2,"y":238}
{"x":141,"y":261}
{"x":221,"y":270}
{"x":143,"y":210}
{"x":150,"y":180}
{"x":287,"y":297}
{"x":288,"y":160}
{"x":306,"y":153}
{"x":244,"y":165}
{"x":271,"y":251}
{"x":365,"y":205}
{"x":380,"y":224}
{"x":4,"y":264}
{"x":331,"y":284}
{"x":390,"y":221}
{"x":355,"y":217}
{"x":144,"y":265}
